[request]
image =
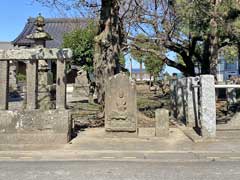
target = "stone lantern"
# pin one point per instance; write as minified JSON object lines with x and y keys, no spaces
{"x":44,"y":75}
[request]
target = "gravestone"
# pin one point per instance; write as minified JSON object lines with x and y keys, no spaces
{"x":81,"y":86}
{"x":120,"y":104}
{"x":162,"y":122}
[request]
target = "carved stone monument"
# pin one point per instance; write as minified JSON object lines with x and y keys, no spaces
{"x":120,"y":104}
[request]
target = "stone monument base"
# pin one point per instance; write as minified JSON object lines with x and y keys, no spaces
{"x":35,"y":127}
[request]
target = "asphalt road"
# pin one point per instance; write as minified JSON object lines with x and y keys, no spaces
{"x":119,"y":170}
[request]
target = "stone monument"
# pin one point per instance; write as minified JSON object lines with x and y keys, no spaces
{"x":120,"y":104}
{"x":81,"y":86}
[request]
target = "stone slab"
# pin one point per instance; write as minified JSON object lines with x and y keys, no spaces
{"x":160,"y":132}
{"x":120,"y":134}
{"x":31,"y":138}
{"x":146,"y":132}
{"x":36,"y":54}
{"x":162,"y":122}
{"x":120,"y":104}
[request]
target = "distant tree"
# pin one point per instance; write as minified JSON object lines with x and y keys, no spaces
{"x":139,"y":56}
{"x":154,"y":66}
{"x":81,"y":41}
{"x":153,"y":63}
{"x":194,"y":29}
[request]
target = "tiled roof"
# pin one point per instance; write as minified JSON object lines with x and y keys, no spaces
{"x":56,"y":27}
{"x":6,"y":45}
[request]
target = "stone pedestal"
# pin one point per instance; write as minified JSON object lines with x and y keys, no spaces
{"x":208,"y":106}
{"x":120,"y":104}
{"x":162,"y":122}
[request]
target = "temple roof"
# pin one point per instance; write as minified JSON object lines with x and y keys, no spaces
{"x":56,"y":27}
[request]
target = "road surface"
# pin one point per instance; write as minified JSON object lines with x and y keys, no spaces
{"x":119,"y":170}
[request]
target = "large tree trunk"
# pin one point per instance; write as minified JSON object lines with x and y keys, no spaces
{"x":214,"y":41}
{"x":205,"y":64}
{"x":107,"y":46}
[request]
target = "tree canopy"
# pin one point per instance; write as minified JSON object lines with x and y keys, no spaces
{"x":81,"y":41}
{"x":153,"y":63}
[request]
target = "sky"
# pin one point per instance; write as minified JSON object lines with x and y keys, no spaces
{"x":14,"y":15}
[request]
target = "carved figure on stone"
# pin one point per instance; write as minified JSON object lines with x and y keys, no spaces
{"x":120,"y":104}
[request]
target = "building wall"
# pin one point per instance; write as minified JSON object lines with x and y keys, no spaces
{"x":227,"y":70}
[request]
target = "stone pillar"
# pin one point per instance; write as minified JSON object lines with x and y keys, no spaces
{"x":192,"y":101}
{"x":32,"y":84}
{"x":181,"y":99}
{"x":173,"y":97}
{"x":12,"y":76}
{"x":4,"y":84}
{"x":44,"y":100}
{"x":61,"y":85}
{"x":208,"y":106}
{"x":190,"y":119}
{"x":162,"y":122}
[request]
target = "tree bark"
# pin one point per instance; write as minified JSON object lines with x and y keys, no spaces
{"x":205,"y":65}
{"x":214,"y":41}
{"x":107,"y":46}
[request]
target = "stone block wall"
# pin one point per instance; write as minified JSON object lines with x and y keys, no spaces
{"x":35,"y":127}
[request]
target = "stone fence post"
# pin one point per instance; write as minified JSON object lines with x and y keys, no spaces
{"x":32,"y":84}
{"x":61,"y":84}
{"x":192,"y":101}
{"x":208,"y":106}
{"x":4,"y":84}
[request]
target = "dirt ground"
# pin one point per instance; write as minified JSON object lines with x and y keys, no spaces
{"x":87,"y":115}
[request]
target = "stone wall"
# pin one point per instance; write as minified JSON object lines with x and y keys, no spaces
{"x":35,"y":127}
{"x":193,"y":103}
